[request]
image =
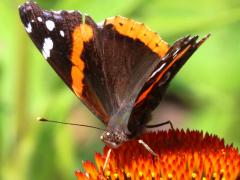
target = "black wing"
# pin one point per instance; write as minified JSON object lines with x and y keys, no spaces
{"x":106,"y":65}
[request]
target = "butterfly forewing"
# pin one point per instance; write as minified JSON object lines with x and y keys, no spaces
{"x":60,"y":37}
{"x":100,"y":63}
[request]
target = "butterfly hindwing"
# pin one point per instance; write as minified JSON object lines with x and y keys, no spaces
{"x":154,"y":89}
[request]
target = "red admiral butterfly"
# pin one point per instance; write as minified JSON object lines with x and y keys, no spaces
{"x":119,"y":69}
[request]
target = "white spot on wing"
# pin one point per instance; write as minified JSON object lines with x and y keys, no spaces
{"x":29,"y":28}
{"x":175,"y":53}
{"x":100,"y":24}
{"x":50,"y":25}
{"x":39,"y":19}
{"x":47,"y":47}
{"x":57,"y":12}
{"x":165,"y":78}
{"x":62,"y":33}
{"x":71,"y":11}
{"x":159,"y":69}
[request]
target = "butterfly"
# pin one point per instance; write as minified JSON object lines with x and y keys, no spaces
{"x":118,"y":68}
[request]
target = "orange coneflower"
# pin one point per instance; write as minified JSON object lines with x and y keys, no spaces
{"x":181,"y":155}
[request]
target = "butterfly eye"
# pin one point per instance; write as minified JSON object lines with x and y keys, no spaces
{"x":118,"y":138}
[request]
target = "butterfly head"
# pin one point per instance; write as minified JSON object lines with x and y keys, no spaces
{"x":113,"y":139}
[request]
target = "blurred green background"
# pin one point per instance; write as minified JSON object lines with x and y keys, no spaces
{"x":204,"y":96}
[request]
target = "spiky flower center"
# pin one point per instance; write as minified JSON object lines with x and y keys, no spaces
{"x":181,"y":155}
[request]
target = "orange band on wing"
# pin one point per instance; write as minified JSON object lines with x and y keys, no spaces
{"x":136,"y":30}
{"x":147,"y":91}
{"x":82,"y":33}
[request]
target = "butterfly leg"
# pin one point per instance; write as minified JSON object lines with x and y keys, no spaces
{"x":140,"y":141}
{"x":161,"y":124}
{"x":107,"y":159}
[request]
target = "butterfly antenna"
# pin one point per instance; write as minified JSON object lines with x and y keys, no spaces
{"x":73,"y":124}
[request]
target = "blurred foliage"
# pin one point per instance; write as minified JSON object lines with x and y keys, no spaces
{"x":29,"y":87}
